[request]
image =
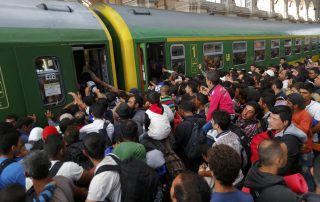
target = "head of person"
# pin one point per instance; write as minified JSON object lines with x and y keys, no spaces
{"x":220,"y":120}
{"x":296,"y":87}
{"x":295,"y":101}
{"x":277,"y":85}
{"x":200,"y":100}
{"x":306,"y":91}
{"x":282,"y":60}
{"x":79,"y":118}
{"x":135,"y":102}
{"x":129,"y":131}
{"x":153,"y":97}
{"x":317,"y":81}
{"x":284,"y":75}
{"x":37,"y":165}
{"x":250,"y":111}
{"x":12,"y":119}
{"x":10,"y":143}
{"x":272,"y":153}
{"x":13,"y":193}
{"x":97,"y":110}
{"x":24,"y":124}
{"x":48,"y":131}
{"x":241,"y":94}
{"x":280,"y":117}
{"x":253,"y":68}
{"x":71,"y":135}
{"x":313,"y":72}
{"x":192,"y":87}
{"x":164,"y":90}
{"x":123,"y":111}
{"x":224,"y":163}
{"x":213,"y":78}
{"x":267,"y":100}
{"x":189,"y":187}
{"x":54,"y":147}
{"x":186,"y":107}
{"x":64,"y":123}
{"x":94,"y":146}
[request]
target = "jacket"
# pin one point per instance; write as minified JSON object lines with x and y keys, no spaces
{"x":266,"y":187}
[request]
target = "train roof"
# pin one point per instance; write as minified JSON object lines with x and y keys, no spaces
{"x":154,"y":23}
{"x":47,"y":21}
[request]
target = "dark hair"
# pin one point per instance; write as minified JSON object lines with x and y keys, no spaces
{"x":225,"y":163}
{"x":255,"y":106}
{"x":37,"y":164}
{"x":71,"y":135}
{"x":13,"y":193}
{"x":95,"y":145}
{"x":269,"y":99}
{"x":214,"y":77}
{"x":97,"y":110}
{"x":283,"y":58}
{"x":74,"y":108}
{"x":64,"y":123}
{"x":247,"y":79}
{"x":202,"y":98}
{"x":278,"y":83}
{"x":192,"y":187}
{"x":315,"y":69}
{"x":129,"y":130}
{"x":24,"y":121}
{"x":268,"y":150}
{"x":88,"y":100}
{"x":12,"y":116}
{"x":187,"y":106}
{"x":308,"y":86}
{"x":53,"y":145}
{"x":284,"y":112}
{"x":138,"y":100}
{"x":104,"y":102}
{"x":222,"y":118}
{"x":316,"y":171}
{"x":193,"y":85}
{"x":153,"y":97}
{"x":8,"y":138}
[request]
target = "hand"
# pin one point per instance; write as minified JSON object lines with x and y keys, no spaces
{"x":200,"y":66}
{"x":204,"y":90}
{"x":49,"y":114}
{"x":33,"y":117}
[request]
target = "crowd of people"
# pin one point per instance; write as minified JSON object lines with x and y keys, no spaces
{"x":219,"y":136}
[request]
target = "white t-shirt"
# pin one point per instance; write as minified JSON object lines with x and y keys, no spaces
{"x":314,"y":110}
{"x":105,"y":184}
{"x":96,"y":125}
{"x":285,"y":84}
{"x":69,"y":170}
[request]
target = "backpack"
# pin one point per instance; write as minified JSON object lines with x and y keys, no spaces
{"x":245,"y":144}
{"x":139,"y":182}
{"x":197,"y":138}
{"x":103,"y":131}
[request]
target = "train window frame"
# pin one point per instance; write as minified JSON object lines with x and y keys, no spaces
{"x":178,"y":57}
{"x":306,"y":44}
{"x":52,"y":88}
{"x":212,"y":54}
{"x":259,"y":49}
{"x":314,"y":41}
{"x":287,"y":46}
{"x":298,"y":45}
{"x":239,"y":51}
{"x":275,"y":47}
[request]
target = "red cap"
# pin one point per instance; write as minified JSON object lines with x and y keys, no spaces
{"x":49,"y":130}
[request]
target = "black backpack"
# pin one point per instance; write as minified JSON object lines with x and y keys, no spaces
{"x":197,"y":138}
{"x":139,"y":182}
{"x":103,"y":131}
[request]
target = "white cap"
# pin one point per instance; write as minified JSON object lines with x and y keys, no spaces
{"x":270,"y":72}
{"x":35,"y":134}
{"x":66,"y":115}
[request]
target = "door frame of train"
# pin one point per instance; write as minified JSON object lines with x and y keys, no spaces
{"x":26,"y":56}
{"x":143,"y":70}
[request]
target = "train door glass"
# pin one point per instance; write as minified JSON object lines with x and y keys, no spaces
{"x":306,"y":44}
{"x":259,"y":50}
{"x":213,"y":55}
{"x":314,"y":43}
{"x":239,"y":49}
{"x":91,"y":60}
{"x":178,"y":58}
{"x":298,"y":46}
{"x":287,"y":47}
{"x":156,"y":61}
{"x":50,"y":81}
{"x":275,"y":48}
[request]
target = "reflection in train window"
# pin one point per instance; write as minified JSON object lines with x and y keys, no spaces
{"x":239,"y":52}
{"x":50,"y":81}
{"x":213,"y":55}
{"x":275,"y":48}
{"x":298,"y":46}
{"x":259,"y":50}
{"x":178,"y":63}
{"x":287,"y":47}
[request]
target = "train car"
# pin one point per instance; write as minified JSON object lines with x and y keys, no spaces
{"x":44,"y":48}
{"x":145,"y":40}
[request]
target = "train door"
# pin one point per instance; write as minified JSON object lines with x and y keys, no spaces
{"x":143,"y":71}
{"x":46,"y":75}
{"x":155,"y":61}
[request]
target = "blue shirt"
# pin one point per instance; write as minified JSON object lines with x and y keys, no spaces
{"x":236,"y":196}
{"x":12,"y":174}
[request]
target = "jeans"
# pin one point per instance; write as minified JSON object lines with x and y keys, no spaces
{"x":306,"y":162}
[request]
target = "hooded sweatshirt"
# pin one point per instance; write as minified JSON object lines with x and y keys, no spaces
{"x":266,"y":187}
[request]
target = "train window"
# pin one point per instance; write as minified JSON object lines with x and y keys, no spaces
{"x":213,"y":55}
{"x":259,"y":50}
{"x":306,"y":44}
{"x":287,"y":47}
{"x":50,"y":81}
{"x":319,"y":42}
{"x":314,"y":43}
{"x":239,"y":52}
{"x":298,"y":46}
{"x":275,"y":48}
{"x":178,"y":58}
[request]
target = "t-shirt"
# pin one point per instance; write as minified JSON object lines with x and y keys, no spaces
{"x":314,"y":109}
{"x":13,"y":173}
{"x":63,"y":191}
{"x":125,"y":150}
{"x":69,"y":170}
{"x":235,"y":196}
{"x":105,"y":184}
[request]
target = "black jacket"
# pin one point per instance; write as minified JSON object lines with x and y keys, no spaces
{"x":266,"y":187}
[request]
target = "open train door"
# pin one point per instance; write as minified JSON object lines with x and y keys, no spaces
{"x":143,"y":70}
{"x":46,"y":74}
